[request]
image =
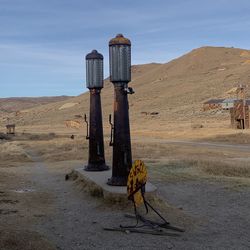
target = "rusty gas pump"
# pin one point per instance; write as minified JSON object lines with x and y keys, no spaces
{"x":120,"y":75}
{"x":94,"y":82}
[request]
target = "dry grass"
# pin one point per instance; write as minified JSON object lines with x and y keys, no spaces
{"x":35,"y":136}
{"x":180,"y":162}
{"x":59,"y":149}
{"x":237,"y":137}
{"x":193,"y":169}
{"x":12,"y":153}
{"x":164,"y":160}
{"x":225,"y":169}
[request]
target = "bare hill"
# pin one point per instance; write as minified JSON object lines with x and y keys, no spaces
{"x":170,"y":92}
{"x":14,"y":104}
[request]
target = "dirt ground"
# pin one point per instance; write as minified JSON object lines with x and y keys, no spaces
{"x":200,"y":166}
{"x":204,"y":182}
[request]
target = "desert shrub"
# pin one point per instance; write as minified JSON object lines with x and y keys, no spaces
{"x":196,"y":126}
{"x":220,"y":168}
{"x":38,"y":137}
{"x":4,"y":136}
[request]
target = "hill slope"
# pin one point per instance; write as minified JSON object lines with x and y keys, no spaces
{"x":176,"y":90}
{"x":14,"y":104}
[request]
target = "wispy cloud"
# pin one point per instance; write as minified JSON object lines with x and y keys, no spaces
{"x":43,"y":43}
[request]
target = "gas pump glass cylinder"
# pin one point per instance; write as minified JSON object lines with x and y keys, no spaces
{"x":94,"y":70}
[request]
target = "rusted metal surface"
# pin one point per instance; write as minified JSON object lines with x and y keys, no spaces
{"x":122,"y":156}
{"x":119,"y":40}
{"x":94,"y":82}
{"x":120,"y":75}
{"x":111,"y":143}
{"x":87,"y":128}
{"x":96,"y":160}
{"x":94,"y":55}
{"x":120,"y":59}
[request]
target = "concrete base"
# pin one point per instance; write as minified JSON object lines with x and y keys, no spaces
{"x":96,"y":184}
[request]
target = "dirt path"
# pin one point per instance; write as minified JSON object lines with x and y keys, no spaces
{"x":223,"y":213}
{"x":58,"y":215}
{"x":62,"y":214}
{"x":213,"y":145}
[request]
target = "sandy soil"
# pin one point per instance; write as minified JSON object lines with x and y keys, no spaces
{"x":40,"y":210}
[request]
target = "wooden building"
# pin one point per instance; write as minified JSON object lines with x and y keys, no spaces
{"x":240,"y":115}
{"x":212,"y":104}
{"x":10,"y":129}
{"x":227,"y":104}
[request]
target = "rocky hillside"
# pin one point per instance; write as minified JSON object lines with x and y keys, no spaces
{"x":168,"y":92}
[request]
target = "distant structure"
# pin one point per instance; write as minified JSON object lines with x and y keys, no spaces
{"x":72,"y":124}
{"x":227,"y":104}
{"x":213,"y":104}
{"x":239,"y":115}
{"x":240,"y":110}
{"x":237,"y":104}
{"x":219,"y":104}
{"x":10,"y":129}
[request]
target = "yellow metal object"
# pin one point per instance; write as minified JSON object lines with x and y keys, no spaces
{"x":136,"y":180}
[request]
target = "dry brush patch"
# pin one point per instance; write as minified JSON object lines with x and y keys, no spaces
{"x":220,"y":168}
{"x":12,"y":153}
{"x":152,"y":151}
{"x":160,"y":151}
{"x":233,"y":138}
{"x":193,"y":169}
{"x":59,"y":149}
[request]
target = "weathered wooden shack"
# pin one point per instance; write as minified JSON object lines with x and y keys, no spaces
{"x":240,"y":115}
{"x":10,"y":129}
{"x":212,"y":104}
{"x":227,"y":104}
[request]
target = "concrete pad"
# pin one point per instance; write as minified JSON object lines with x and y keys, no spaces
{"x":96,"y":184}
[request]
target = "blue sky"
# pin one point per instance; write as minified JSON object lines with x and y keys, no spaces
{"x":43,"y":43}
